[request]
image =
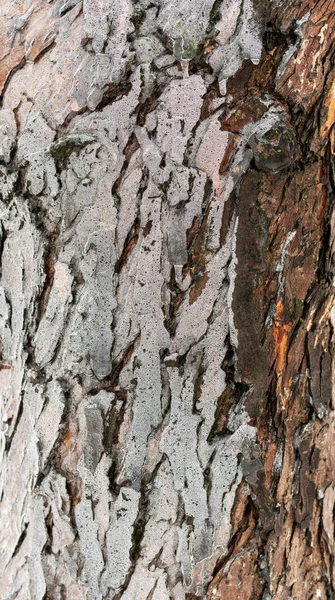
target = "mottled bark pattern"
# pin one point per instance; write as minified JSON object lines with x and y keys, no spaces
{"x":167,"y":230}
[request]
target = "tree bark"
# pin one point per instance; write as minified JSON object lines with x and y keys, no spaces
{"x":167,"y":300}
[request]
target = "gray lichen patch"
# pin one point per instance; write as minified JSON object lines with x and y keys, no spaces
{"x":147,"y":49}
{"x":186,"y":24}
{"x":8,"y":131}
{"x":119,"y":540}
{"x":211,"y":153}
{"x":51,"y":325}
{"x":89,"y":547}
{"x":7,"y":184}
{"x":73,"y":142}
{"x":239,"y":37}
{"x":185,"y":48}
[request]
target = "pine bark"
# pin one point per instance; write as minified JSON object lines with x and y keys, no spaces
{"x":167,"y":300}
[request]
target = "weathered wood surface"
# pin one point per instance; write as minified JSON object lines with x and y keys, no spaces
{"x":167,"y":226}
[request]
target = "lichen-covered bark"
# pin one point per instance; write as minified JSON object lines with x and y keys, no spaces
{"x":167,"y":300}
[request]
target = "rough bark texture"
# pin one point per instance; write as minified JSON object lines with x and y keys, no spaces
{"x":167,"y":181}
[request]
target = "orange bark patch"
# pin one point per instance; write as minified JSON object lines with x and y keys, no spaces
{"x":68,"y":441}
{"x":5,"y":365}
{"x":281,"y":332}
{"x":227,"y":155}
{"x":330,"y":107}
{"x":303,"y":78}
{"x":240,"y":580}
{"x":268,"y":464}
{"x":209,"y":46}
{"x":198,"y":288}
{"x":29,"y":42}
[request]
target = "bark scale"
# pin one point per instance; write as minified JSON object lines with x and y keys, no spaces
{"x":167,"y":227}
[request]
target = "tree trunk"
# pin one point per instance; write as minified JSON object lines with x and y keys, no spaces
{"x":167,"y":180}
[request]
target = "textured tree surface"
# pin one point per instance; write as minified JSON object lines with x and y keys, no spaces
{"x":167,"y":181}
